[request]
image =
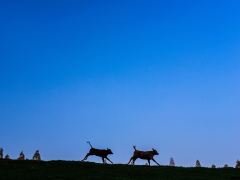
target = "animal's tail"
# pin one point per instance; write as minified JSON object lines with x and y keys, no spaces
{"x":134,"y":147}
{"x":89,"y":144}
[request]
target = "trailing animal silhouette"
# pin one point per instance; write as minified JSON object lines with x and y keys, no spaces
{"x":103,"y":153}
{"x":146,"y":155}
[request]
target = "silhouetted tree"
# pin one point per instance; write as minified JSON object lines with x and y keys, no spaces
{"x":198,"y":164}
{"x":1,"y":153}
{"x":213,"y":166}
{"x":225,"y":166}
{"x":172,"y":163}
{"x":238,"y":164}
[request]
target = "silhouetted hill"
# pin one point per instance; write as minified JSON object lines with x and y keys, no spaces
{"x":61,"y":170}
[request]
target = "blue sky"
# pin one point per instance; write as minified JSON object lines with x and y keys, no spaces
{"x":162,"y":74}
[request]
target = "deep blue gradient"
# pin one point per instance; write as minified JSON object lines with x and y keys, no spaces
{"x":162,"y":74}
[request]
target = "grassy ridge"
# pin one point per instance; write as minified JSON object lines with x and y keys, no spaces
{"x":61,"y":170}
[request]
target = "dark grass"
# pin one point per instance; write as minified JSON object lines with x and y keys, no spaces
{"x":67,"y":170}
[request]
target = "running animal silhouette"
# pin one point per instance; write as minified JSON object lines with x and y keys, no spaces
{"x":146,"y":155}
{"x":103,"y":153}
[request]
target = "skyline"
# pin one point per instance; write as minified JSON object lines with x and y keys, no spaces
{"x":155,"y":74}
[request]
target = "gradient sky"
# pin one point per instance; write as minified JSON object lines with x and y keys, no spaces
{"x":162,"y":74}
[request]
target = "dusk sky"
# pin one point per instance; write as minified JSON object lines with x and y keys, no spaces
{"x":156,"y":74}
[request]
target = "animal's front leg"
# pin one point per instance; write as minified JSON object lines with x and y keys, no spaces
{"x":85,"y":158}
{"x":155,"y":161}
{"x":149,"y":163}
{"x":103,"y":160}
{"x":109,"y":160}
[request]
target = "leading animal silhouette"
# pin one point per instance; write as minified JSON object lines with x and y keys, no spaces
{"x":146,"y":155}
{"x":103,"y":153}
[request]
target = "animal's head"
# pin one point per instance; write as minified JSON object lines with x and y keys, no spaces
{"x":155,"y":152}
{"x":109,"y":151}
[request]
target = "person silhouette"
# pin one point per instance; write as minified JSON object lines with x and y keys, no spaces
{"x":21,"y":156}
{"x":37,"y":156}
{"x":7,"y":157}
{"x":1,"y":153}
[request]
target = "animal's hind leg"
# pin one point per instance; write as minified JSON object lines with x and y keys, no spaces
{"x":85,"y":158}
{"x":109,"y":160}
{"x":130,"y":160}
